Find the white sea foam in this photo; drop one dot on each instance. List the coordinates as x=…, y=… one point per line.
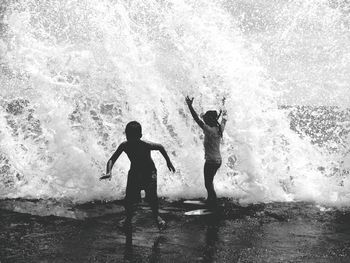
x=75, y=72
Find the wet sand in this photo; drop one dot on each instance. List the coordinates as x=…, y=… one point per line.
x=50, y=231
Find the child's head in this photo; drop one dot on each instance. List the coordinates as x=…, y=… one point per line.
x=133, y=131
x=210, y=118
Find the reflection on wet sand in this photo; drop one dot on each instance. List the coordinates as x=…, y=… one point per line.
x=154, y=255
x=211, y=238
x=128, y=245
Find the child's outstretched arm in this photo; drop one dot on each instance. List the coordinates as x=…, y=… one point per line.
x=159, y=147
x=223, y=120
x=223, y=113
x=113, y=159
x=194, y=114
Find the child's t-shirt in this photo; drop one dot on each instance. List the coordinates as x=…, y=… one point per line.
x=212, y=140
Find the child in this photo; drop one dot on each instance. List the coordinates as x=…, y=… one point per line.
x=142, y=174
x=212, y=138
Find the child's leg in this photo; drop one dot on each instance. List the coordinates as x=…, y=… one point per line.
x=151, y=195
x=210, y=169
x=152, y=199
x=129, y=209
x=132, y=196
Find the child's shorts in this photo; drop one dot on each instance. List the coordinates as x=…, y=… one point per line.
x=138, y=181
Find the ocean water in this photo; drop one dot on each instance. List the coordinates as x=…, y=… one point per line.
x=73, y=73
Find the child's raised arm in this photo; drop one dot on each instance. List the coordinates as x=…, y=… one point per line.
x=223, y=120
x=159, y=147
x=193, y=112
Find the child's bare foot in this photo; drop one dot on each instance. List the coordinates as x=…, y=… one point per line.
x=161, y=223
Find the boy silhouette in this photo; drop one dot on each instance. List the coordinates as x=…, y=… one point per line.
x=142, y=174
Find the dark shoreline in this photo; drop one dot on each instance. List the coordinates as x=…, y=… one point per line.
x=275, y=232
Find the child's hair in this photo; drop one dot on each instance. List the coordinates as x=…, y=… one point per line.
x=212, y=115
x=133, y=130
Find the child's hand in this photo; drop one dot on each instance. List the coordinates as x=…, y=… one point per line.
x=171, y=167
x=189, y=101
x=107, y=176
x=223, y=101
